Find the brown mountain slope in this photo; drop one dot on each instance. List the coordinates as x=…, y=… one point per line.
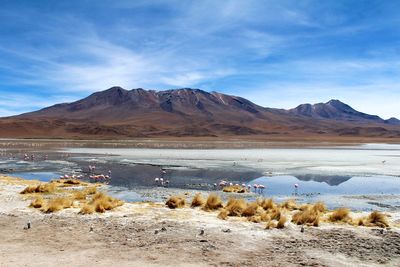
x=120, y=113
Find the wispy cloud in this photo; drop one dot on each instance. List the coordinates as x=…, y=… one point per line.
x=278, y=53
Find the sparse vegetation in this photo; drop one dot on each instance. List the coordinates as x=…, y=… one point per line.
x=57, y=204
x=308, y=216
x=103, y=202
x=80, y=195
x=290, y=205
x=281, y=222
x=251, y=209
x=235, y=207
x=223, y=214
x=175, y=202
x=197, y=201
x=266, y=204
x=41, y=188
x=340, y=215
x=213, y=202
x=319, y=207
x=234, y=189
x=375, y=218
x=87, y=209
x=38, y=202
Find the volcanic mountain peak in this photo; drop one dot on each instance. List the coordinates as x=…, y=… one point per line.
x=118, y=112
x=334, y=109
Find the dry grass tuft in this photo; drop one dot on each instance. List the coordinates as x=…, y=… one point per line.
x=91, y=190
x=38, y=202
x=340, y=215
x=307, y=217
x=57, y=204
x=255, y=219
x=251, y=209
x=197, y=201
x=175, y=202
x=234, y=189
x=275, y=213
x=71, y=181
x=103, y=202
x=281, y=222
x=223, y=214
x=235, y=207
x=41, y=188
x=376, y=218
x=319, y=207
x=266, y=204
x=290, y=204
x=87, y=209
x=213, y=202
x=79, y=195
x=271, y=224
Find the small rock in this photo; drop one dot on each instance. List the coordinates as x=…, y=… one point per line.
x=156, y=232
x=226, y=230
x=91, y=229
x=202, y=232
x=163, y=229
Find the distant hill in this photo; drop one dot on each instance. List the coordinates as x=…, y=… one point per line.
x=337, y=110
x=120, y=113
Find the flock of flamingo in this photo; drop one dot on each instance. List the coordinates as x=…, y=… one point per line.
x=158, y=181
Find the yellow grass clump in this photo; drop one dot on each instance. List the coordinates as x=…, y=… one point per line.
x=41, y=188
x=308, y=216
x=290, y=204
x=175, y=202
x=319, y=207
x=197, y=201
x=251, y=209
x=38, y=202
x=213, y=202
x=340, y=215
x=79, y=195
x=103, y=202
x=234, y=189
x=376, y=218
x=271, y=224
x=281, y=222
x=235, y=207
x=87, y=209
x=266, y=204
x=223, y=214
x=275, y=213
x=71, y=181
x=91, y=190
x=57, y=204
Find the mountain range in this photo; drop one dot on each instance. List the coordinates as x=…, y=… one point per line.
x=118, y=113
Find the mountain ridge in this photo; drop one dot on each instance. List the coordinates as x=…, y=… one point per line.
x=118, y=112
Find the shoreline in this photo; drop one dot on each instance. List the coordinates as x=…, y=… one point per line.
x=150, y=234
x=198, y=143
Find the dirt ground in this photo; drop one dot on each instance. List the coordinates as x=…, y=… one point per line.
x=149, y=234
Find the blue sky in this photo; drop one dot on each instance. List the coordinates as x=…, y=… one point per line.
x=275, y=53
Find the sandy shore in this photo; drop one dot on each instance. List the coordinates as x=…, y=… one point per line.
x=149, y=234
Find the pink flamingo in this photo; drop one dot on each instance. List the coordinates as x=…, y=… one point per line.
x=296, y=188
x=255, y=188
x=261, y=187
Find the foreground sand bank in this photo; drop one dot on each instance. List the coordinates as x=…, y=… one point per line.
x=152, y=235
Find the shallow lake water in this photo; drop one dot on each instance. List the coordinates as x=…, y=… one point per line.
x=322, y=173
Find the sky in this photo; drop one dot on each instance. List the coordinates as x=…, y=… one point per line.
x=275, y=53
